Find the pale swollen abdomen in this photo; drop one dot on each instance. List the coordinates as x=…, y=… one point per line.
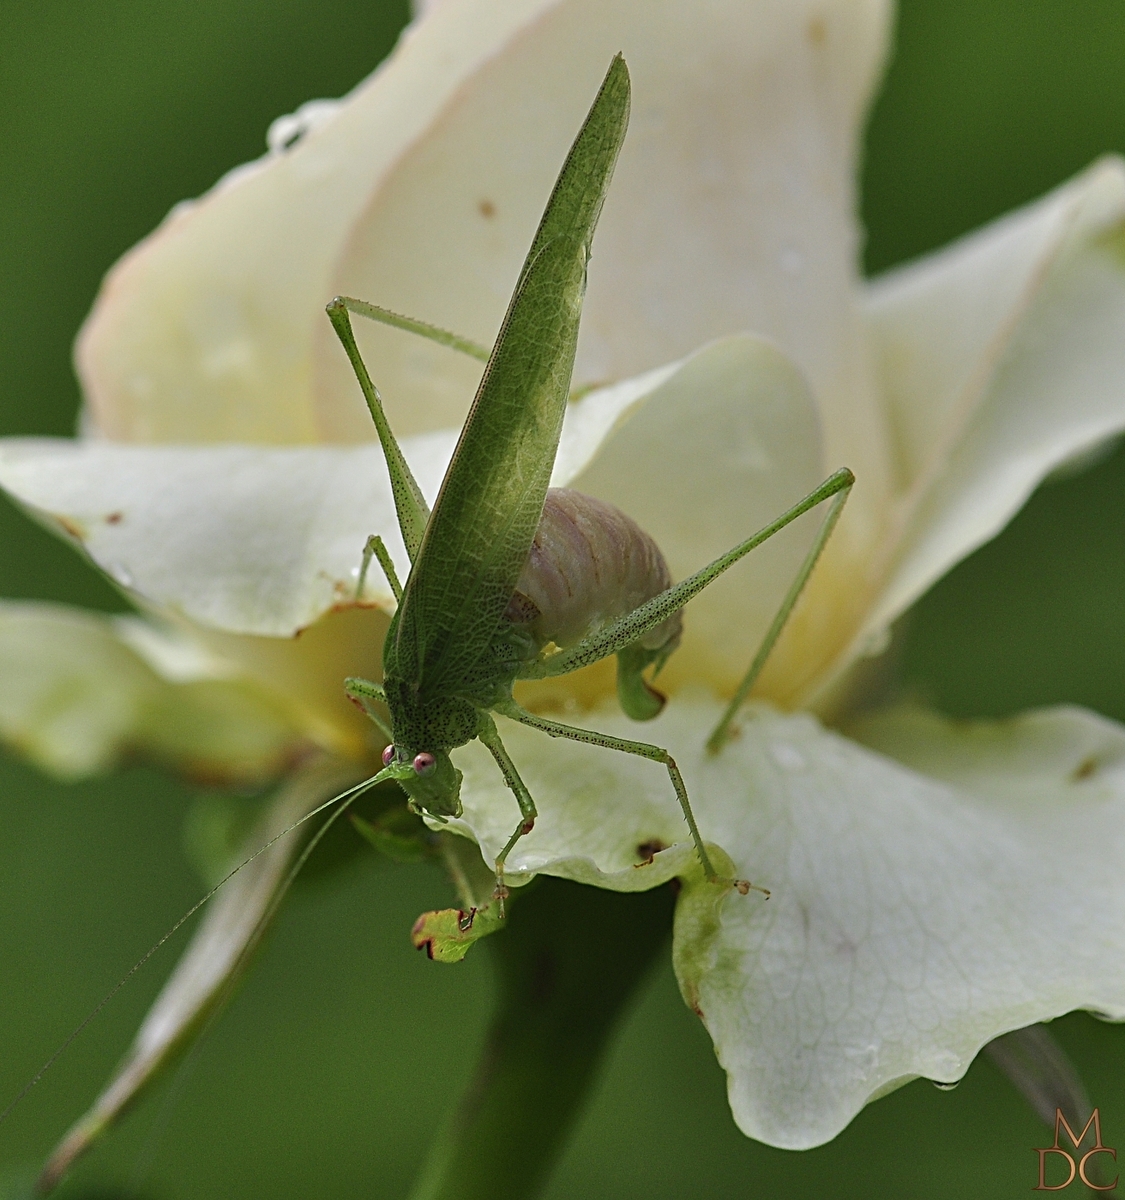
x=589, y=564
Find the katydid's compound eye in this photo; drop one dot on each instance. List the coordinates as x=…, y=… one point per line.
x=388, y=756
x=424, y=764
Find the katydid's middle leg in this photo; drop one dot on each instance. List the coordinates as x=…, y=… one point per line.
x=490, y=736
x=642, y=750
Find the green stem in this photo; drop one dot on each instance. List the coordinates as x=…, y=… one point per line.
x=566, y=967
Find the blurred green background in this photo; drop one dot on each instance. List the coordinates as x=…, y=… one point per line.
x=344, y=1046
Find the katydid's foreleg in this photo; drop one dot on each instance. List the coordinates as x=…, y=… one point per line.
x=719, y=735
x=491, y=737
x=376, y=547
x=643, y=749
x=410, y=505
x=365, y=694
x=443, y=337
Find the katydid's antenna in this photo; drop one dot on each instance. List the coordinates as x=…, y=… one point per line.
x=349, y=796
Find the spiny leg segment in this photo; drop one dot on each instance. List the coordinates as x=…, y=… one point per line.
x=490, y=736
x=375, y=547
x=410, y=505
x=842, y=491
x=433, y=333
x=364, y=692
x=643, y=749
x=633, y=625
x=627, y=629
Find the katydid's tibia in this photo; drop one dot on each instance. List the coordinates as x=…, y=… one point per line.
x=509, y=579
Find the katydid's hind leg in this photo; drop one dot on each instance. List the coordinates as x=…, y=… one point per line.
x=643, y=750
x=375, y=547
x=364, y=695
x=623, y=632
x=722, y=729
x=490, y=736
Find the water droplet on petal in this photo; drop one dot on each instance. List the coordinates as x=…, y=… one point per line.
x=284, y=133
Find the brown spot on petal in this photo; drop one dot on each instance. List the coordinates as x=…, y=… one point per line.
x=487, y=209
x=647, y=851
x=1084, y=770
x=691, y=996
x=72, y=527
x=114, y=518
x=817, y=31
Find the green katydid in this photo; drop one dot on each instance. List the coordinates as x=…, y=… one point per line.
x=481, y=607
x=510, y=579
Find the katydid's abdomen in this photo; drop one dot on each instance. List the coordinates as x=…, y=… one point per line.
x=589, y=565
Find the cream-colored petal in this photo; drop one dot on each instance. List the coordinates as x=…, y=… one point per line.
x=76, y=698
x=204, y=332
x=306, y=673
x=726, y=443
x=1004, y=356
x=732, y=208
x=247, y=546
x=245, y=539
x=253, y=552
x=912, y=918
x=303, y=675
x=264, y=541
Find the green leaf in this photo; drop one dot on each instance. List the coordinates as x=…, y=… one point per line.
x=489, y=506
x=220, y=949
x=447, y=934
x=398, y=835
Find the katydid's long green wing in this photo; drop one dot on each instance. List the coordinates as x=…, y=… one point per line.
x=580, y=190
x=480, y=532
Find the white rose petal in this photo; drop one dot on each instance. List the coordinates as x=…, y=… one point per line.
x=912, y=918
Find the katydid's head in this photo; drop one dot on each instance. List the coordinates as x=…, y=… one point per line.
x=429, y=778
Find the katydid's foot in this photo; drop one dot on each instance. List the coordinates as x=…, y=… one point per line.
x=500, y=894
x=744, y=887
